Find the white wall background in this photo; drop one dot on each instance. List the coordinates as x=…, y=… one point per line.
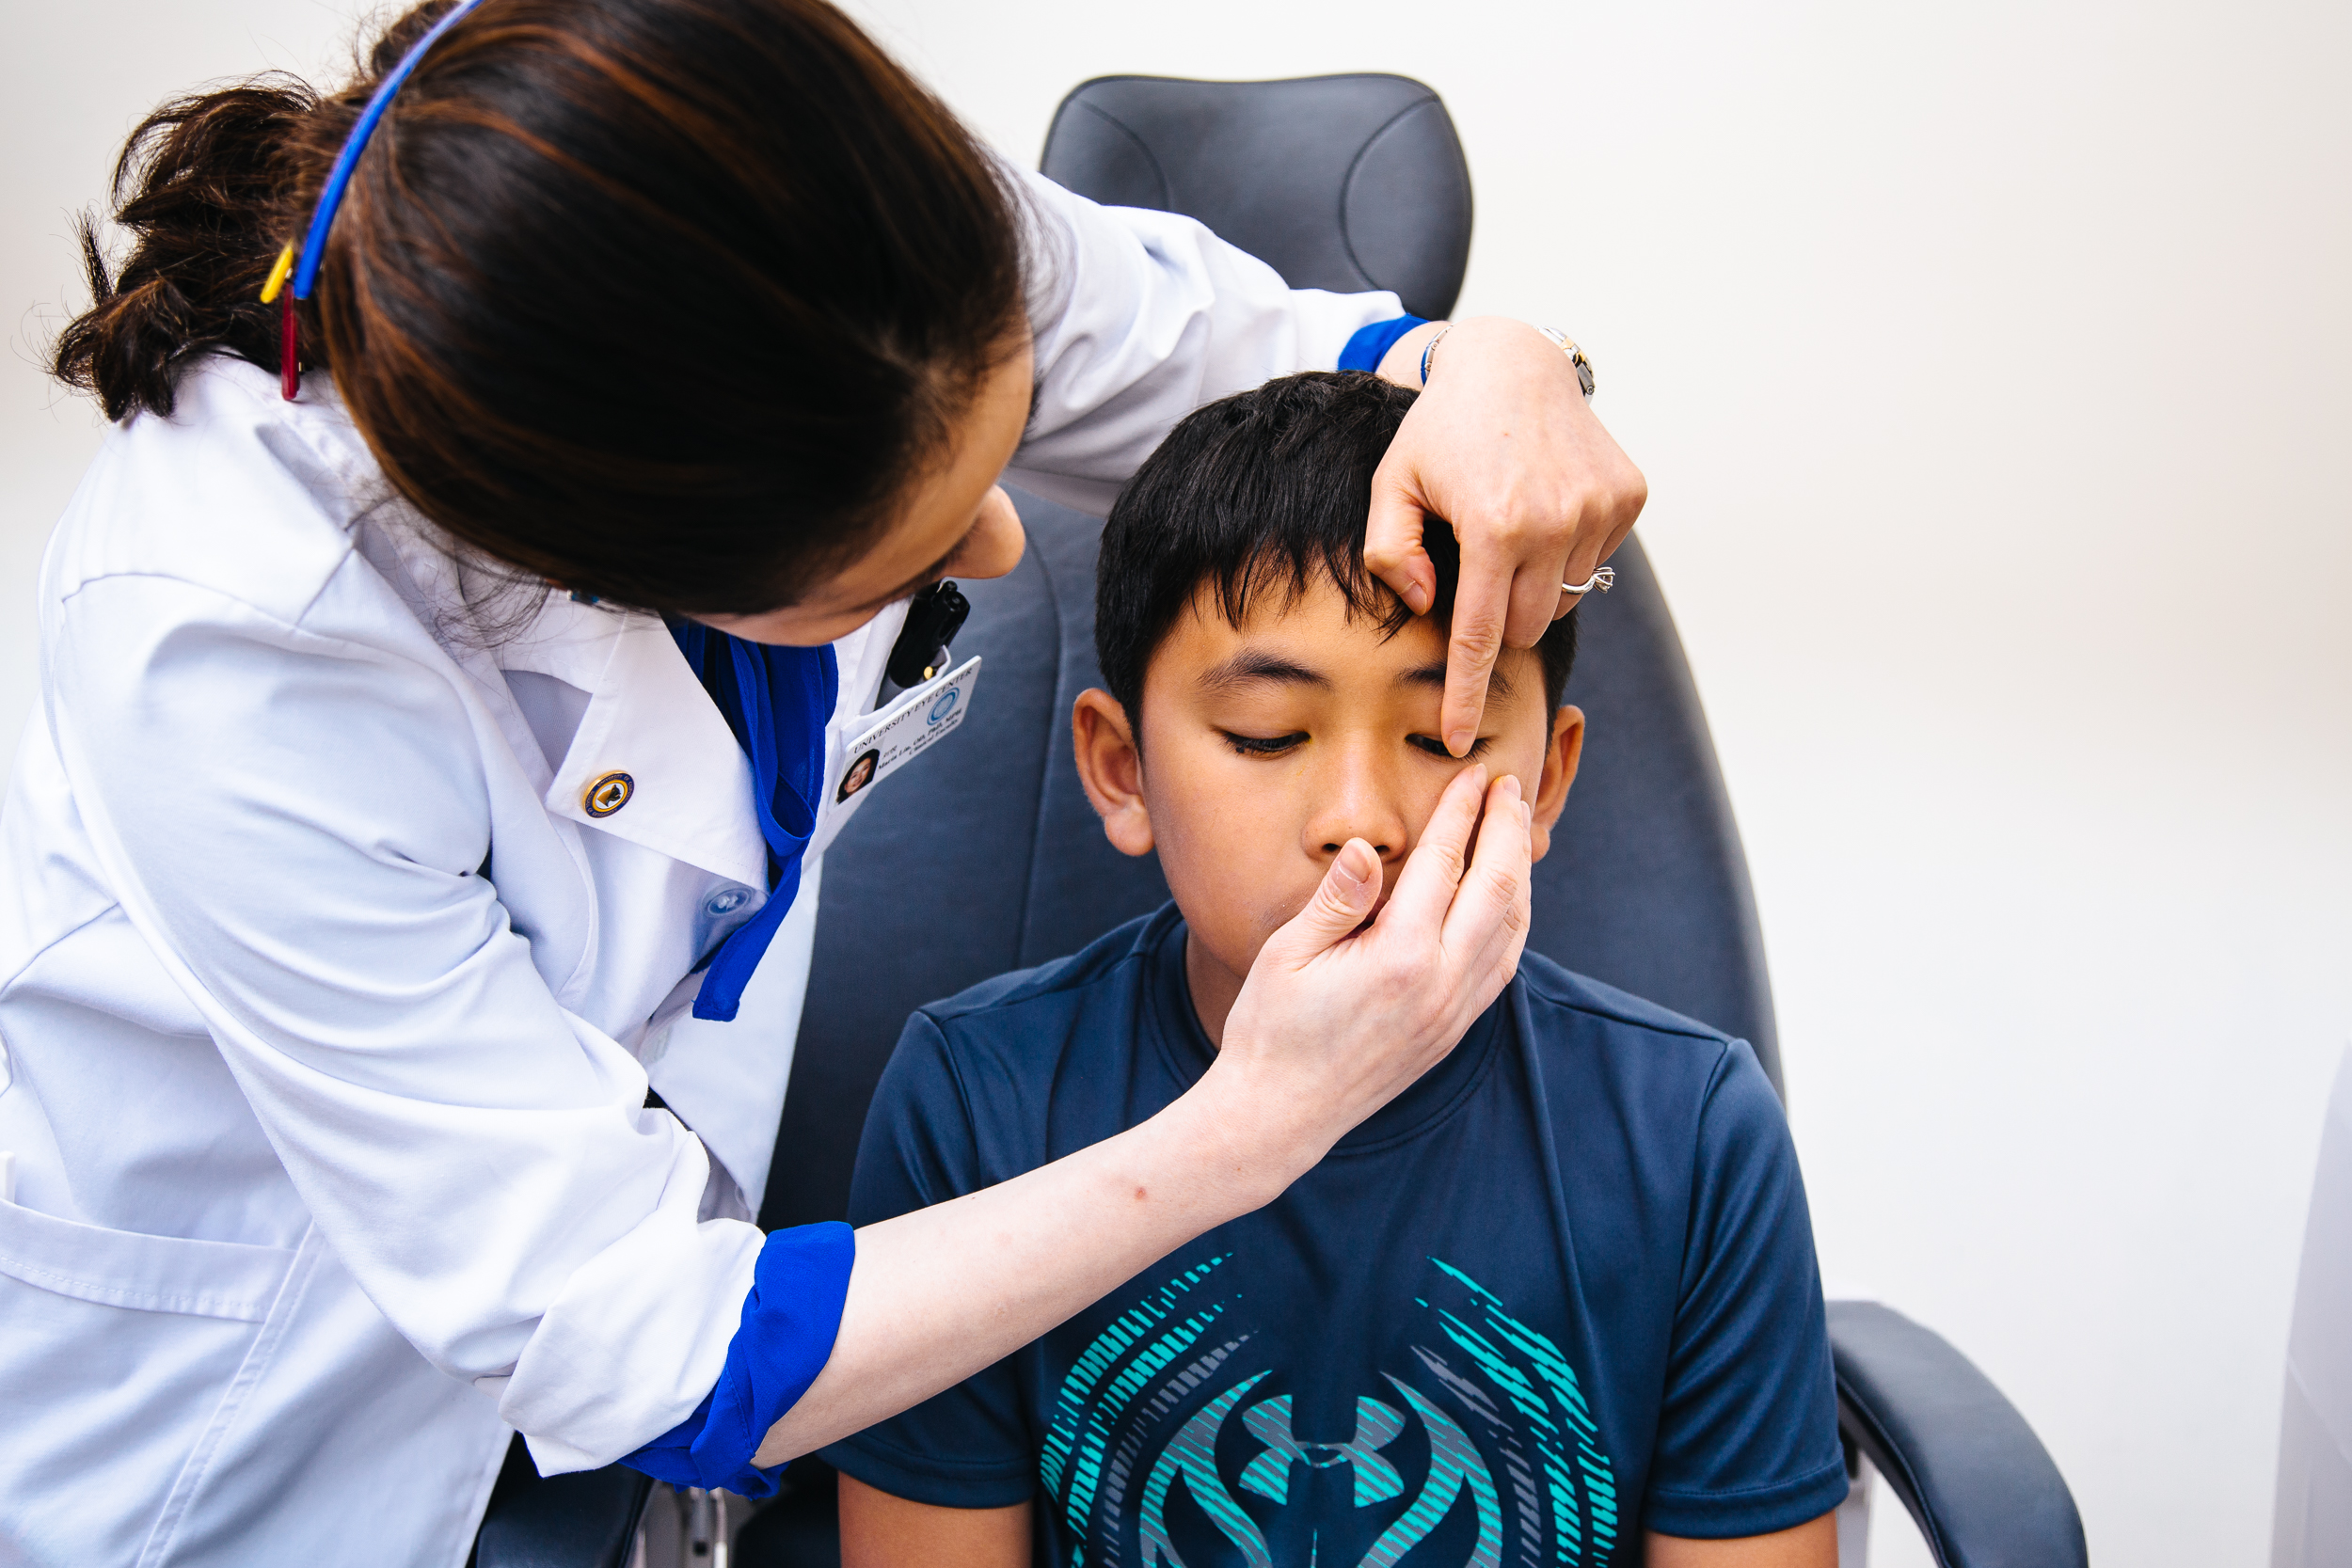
x=1992, y=365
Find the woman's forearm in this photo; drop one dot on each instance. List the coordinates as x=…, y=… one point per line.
x=941, y=1292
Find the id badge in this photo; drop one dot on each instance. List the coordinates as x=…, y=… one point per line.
x=912, y=723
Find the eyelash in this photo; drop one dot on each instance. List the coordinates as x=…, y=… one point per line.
x=1267, y=746
x=1275, y=746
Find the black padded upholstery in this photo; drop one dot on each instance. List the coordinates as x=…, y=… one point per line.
x=1000, y=863
x=1646, y=886
x=1341, y=183
x=1975, y=1479
x=587, y=1520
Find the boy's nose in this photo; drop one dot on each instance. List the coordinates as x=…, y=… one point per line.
x=1355, y=803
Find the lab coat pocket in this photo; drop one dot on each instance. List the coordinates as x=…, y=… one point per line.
x=136, y=1350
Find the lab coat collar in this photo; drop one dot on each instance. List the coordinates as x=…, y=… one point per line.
x=647, y=716
x=689, y=785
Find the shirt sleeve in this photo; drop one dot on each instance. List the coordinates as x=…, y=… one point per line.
x=1747, y=1437
x=294, y=821
x=791, y=1321
x=1139, y=318
x=968, y=1446
x=1371, y=344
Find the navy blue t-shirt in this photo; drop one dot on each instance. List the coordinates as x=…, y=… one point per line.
x=1560, y=1290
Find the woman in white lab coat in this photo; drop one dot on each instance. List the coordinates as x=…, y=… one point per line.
x=442, y=667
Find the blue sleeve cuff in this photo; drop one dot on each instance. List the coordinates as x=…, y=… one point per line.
x=1749, y=1511
x=782, y=1343
x=1371, y=344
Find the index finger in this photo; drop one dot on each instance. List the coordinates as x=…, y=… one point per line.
x=1485, y=928
x=1481, y=608
x=1425, y=888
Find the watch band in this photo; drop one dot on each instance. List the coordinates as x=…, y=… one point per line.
x=1576, y=356
x=1560, y=340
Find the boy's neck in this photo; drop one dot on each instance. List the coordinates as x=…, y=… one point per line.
x=1213, y=989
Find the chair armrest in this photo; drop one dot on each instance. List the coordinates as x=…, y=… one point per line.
x=585, y=1520
x=1977, y=1481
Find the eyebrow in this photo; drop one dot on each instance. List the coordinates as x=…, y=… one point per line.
x=1250, y=666
x=1432, y=673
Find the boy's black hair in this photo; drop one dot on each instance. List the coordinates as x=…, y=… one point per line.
x=1261, y=492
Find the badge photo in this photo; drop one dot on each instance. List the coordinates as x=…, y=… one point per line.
x=860, y=775
x=901, y=730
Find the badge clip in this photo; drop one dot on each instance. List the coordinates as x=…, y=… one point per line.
x=934, y=616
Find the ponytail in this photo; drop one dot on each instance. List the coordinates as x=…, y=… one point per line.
x=665, y=300
x=203, y=184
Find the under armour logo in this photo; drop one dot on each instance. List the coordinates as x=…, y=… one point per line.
x=1190, y=1457
x=1377, y=1427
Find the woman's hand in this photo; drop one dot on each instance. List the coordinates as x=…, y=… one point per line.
x=1332, y=1022
x=1503, y=445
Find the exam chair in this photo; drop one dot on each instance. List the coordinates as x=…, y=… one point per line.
x=1342, y=183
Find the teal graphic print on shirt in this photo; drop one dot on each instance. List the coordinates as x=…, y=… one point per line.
x=1172, y=1440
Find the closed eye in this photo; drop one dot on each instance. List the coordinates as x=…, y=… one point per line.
x=1264, y=746
x=1435, y=746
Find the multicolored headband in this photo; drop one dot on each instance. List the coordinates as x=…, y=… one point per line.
x=313, y=247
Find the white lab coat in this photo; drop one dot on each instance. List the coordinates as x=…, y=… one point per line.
x=331, y=1164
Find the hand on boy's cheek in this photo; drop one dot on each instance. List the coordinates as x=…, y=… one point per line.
x=1267, y=747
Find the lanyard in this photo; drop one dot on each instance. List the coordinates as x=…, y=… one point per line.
x=777, y=700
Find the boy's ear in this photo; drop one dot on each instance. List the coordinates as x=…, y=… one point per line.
x=1551, y=791
x=1111, y=770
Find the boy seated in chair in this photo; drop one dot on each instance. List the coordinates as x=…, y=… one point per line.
x=1555, y=1304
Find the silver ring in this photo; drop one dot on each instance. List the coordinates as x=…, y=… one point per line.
x=1603, y=578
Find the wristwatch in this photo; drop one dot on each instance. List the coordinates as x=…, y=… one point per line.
x=1576, y=356
x=1560, y=340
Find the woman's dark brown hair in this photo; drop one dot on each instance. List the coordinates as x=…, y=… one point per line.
x=666, y=300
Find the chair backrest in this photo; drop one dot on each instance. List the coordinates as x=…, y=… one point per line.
x=1342, y=183
x=1001, y=863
